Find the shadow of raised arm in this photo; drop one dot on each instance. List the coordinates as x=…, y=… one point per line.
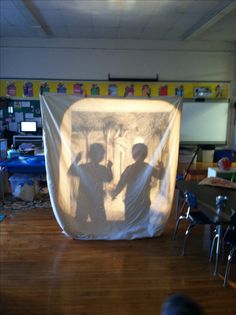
x=73, y=168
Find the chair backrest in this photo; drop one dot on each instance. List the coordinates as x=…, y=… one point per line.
x=219, y=154
x=221, y=202
x=190, y=199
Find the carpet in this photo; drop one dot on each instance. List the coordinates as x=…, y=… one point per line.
x=42, y=200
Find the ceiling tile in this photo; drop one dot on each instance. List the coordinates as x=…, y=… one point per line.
x=82, y=32
x=130, y=33
x=133, y=19
x=104, y=32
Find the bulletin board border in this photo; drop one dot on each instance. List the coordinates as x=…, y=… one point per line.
x=32, y=88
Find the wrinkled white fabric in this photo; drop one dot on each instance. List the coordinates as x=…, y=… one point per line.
x=111, y=164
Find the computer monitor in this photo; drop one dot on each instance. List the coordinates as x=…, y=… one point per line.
x=28, y=126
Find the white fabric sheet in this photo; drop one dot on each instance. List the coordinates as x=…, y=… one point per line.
x=111, y=164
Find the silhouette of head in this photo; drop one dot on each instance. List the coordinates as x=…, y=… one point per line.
x=139, y=152
x=96, y=152
x=178, y=304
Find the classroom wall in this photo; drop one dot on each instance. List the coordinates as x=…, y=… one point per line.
x=94, y=59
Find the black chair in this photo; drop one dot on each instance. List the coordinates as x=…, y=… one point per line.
x=193, y=217
x=221, y=202
x=230, y=239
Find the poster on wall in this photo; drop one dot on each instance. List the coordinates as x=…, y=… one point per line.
x=44, y=87
x=219, y=91
x=163, y=90
x=179, y=90
x=202, y=91
x=95, y=90
x=112, y=90
x=129, y=90
x=61, y=88
x=28, y=89
x=146, y=90
x=11, y=88
x=78, y=89
x=32, y=88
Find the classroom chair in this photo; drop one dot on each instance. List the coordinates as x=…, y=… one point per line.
x=230, y=239
x=192, y=216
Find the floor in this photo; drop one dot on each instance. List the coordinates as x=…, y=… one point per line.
x=45, y=272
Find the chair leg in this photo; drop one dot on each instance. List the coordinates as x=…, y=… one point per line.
x=186, y=237
x=230, y=256
x=177, y=204
x=218, y=248
x=223, y=245
x=182, y=217
x=222, y=252
x=212, y=246
x=178, y=199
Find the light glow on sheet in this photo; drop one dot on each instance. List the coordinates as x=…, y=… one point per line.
x=111, y=164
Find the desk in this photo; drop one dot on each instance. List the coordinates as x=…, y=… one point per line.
x=34, y=164
x=198, y=170
x=206, y=197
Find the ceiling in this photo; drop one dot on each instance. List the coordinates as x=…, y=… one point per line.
x=208, y=20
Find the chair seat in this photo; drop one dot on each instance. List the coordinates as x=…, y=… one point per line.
x=198, y=217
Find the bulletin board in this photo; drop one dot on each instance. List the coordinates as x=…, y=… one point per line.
x=20, y=110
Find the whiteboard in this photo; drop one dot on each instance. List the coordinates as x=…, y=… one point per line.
x=204, y=122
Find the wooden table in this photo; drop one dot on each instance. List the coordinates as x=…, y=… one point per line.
x=198, y=170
